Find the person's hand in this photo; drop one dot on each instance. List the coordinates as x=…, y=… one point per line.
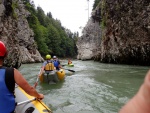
x=39, y=75
x=140, y=103
x=40, y=97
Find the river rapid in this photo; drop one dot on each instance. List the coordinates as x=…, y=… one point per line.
x=93, y=88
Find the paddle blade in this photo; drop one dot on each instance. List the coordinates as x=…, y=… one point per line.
x=70, y=70
x=41, y=78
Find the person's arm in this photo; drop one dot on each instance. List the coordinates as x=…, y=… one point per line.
x=140, y=103
x=42, y=68
x=41, y=71
x=59, y=64
x=20, y=80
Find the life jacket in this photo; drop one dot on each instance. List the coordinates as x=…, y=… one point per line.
x=56, y=63
x=7, y=86
x=49, y=66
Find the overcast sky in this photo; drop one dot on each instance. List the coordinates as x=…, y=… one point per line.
x=73, y=14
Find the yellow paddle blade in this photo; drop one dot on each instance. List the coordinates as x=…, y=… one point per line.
x=41, y=77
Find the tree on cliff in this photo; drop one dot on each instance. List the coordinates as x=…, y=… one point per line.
x=50, y=36
x=96, y=2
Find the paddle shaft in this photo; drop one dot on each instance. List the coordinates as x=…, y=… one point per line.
x=37, y=79
x=69, y=70
x=63, y=65
x=20, y=103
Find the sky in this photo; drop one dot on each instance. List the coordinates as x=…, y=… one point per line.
x=73, y=14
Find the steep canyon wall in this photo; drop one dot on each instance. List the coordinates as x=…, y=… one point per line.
x=16, y=34
x=124, y=32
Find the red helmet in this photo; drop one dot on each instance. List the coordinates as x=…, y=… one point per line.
x=3, y=50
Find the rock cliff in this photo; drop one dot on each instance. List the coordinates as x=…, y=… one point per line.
x=89, y=43
x=124, y=32
x=16, y=34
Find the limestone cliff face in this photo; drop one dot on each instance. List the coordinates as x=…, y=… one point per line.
x=125, y=31
x=16, y=34
x=89, y=43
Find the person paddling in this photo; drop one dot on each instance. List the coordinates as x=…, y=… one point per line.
x=69, y=61
x=56, y=63
x=8, y=78
x=48, y=64
x=48, y=70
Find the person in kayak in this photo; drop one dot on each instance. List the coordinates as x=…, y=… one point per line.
x=69, y=61
x=140, y=103
x=56, y=63
x=8, y=78
x=48, y=64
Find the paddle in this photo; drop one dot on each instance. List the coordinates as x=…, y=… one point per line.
x=20, y=103
x=64, y=65
x=37, y=79
x=69, y=70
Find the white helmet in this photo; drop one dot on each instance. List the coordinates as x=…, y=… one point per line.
x=54, y=57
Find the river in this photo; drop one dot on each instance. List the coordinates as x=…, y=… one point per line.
x=93, y=88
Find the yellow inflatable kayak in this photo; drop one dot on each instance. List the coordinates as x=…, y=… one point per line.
x=28, y=104
x=61, y=74
x=53, y=76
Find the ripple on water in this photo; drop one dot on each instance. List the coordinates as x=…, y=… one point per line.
x=93, y=88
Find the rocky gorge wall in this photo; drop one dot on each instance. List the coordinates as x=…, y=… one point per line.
x=125, y=32
x=89, y=43
x=16, y=34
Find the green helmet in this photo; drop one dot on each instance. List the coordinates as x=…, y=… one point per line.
x=48, y=56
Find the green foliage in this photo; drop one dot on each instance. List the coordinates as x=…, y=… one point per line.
x=102, y=24
x=41, y=16
x=49, y=15
x=29, y=6
x=96, y=2
x=50, y=36
x=101, y=4
x=54, y=39
x=40, y=38
x=104, y=14
x=14, y=5
x=33, y=21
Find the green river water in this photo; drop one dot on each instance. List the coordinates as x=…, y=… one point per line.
x=94, y=87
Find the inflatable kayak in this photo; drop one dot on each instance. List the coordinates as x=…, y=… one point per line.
x=61, y=74
x=70, y=65
x=53, y=76
x=28, y=104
